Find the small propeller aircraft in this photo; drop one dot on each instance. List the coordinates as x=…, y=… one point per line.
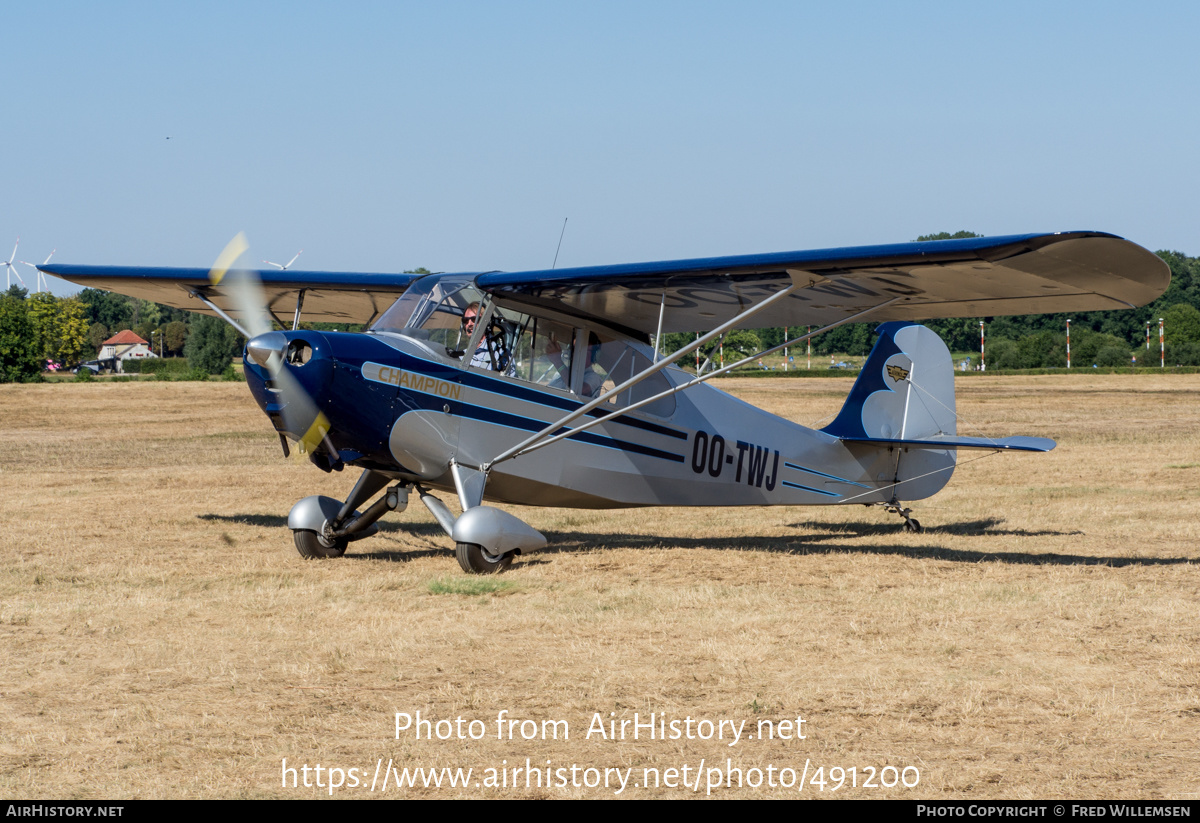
x=546, y=388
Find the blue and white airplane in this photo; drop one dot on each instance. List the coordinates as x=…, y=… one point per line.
x=545, y=388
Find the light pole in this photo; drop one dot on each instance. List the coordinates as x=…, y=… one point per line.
x=1162, y=346
x=982, y=358
x=1068, y=343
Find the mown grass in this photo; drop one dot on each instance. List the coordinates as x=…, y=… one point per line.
x=162, y=638
x=470, y=586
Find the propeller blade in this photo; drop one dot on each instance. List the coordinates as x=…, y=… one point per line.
x=243, y=288
x=268, y=348
x=300, y=413
x=249, y=302
x=234, y=249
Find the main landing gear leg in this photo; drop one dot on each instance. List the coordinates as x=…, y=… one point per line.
x=323, y=526
x=911, y=524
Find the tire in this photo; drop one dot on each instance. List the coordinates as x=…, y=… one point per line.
x=913, y=526
x=475, y=559
x=311, y=547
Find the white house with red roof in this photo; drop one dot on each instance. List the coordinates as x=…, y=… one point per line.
x=125, y=345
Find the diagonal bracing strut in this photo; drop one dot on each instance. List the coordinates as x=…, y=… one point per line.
x=533, y=443
x=546, y=436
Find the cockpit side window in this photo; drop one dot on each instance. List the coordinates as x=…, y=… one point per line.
x=453, y=317
x=608, y=362
x=531, y=348
x=544, y=352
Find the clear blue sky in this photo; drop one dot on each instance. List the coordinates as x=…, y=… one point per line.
x=458, y=135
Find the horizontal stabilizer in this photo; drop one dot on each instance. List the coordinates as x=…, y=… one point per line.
x=1017, y=443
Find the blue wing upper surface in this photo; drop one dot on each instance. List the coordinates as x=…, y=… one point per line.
x=974, y=277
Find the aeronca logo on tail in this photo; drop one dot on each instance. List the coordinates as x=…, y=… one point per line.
x=413, y=382
x=897, y=373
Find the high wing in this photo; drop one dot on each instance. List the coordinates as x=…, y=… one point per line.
x=975, y=277
x=329, y=297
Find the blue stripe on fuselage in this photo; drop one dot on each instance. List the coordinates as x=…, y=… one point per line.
x=823, y=474
x=482, y=380
x=485, y=381
x=430, y=402
x=809, y=489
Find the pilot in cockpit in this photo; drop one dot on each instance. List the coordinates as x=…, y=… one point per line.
x=492, y=352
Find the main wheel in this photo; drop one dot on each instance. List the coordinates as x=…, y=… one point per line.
x=475, y=559
x=913, y=526
x=311, y=546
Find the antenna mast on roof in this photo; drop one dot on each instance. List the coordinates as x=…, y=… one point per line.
x=560, y=237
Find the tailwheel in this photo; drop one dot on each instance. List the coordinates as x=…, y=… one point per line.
x=911, y=524
x=313, y=546
x=475, y=559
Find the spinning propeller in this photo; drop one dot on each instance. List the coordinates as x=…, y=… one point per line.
x=269, y=349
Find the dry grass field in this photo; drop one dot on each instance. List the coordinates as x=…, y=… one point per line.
x=162, y=638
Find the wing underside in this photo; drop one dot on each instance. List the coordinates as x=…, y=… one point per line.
x=329, y=297
x=977, y=277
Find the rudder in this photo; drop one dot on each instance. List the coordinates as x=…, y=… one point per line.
x=905, y=390
x=904, y=395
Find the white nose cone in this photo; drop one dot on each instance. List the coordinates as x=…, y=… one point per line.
x=261, y=348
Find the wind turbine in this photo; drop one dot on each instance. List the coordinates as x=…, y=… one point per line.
x=41, y=278
x=10, y=269
x=287, y=265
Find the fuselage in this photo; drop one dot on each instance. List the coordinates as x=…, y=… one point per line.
x=400, y=405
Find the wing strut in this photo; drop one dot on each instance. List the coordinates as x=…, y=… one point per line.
x=637, y=378
x=299, y=306
x=199, y=295
x=696, y=380
x=662, y=307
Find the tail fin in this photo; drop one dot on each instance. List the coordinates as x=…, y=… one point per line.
x=903, y=402
x=905, y=390
x=905, y=396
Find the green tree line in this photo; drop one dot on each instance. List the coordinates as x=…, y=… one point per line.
x=38, y=328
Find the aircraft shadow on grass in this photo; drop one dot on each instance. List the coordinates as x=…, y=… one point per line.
x=810, y=539
x=430, y=535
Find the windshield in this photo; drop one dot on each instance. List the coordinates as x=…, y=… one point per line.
x=432, y=309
